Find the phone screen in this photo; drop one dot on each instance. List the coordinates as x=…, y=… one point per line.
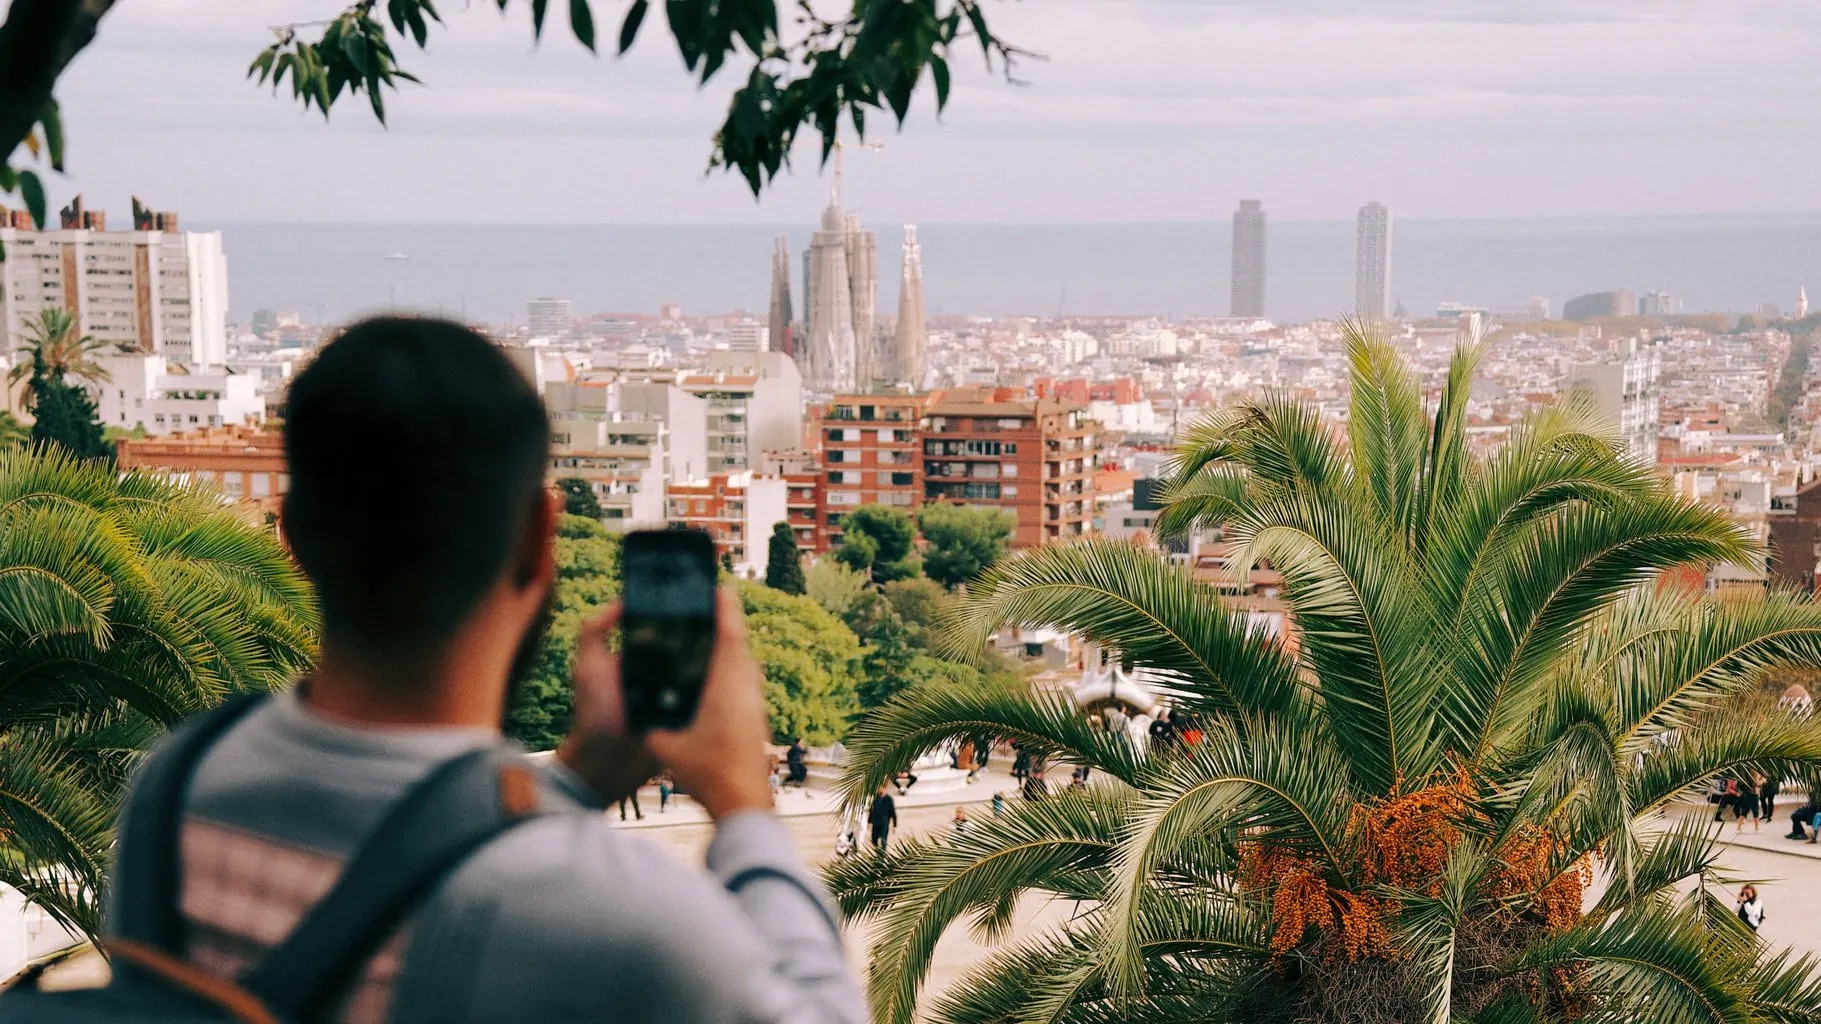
x=667, y=625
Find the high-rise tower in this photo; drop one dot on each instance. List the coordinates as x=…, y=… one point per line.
x=1372, y=263
x=1801, y=302
x=1249, y=259
x=781, y=338
x=910, y=342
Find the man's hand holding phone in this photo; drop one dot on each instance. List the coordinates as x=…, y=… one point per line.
x=718, y=758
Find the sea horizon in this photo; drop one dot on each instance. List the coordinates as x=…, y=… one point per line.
x=1174, y=269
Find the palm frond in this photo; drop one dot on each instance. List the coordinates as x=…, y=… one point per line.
x=1656, y=963
x=1133, y=602
x=1387, y=425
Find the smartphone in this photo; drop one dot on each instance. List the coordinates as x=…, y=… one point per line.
x=667, y=625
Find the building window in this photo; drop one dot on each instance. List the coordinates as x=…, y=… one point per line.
x=902, y=479
x=895, y=498
x=1008, y=491
x=844, y=498
x=1010, y=423
x=1011, y=448
x=1008, y=469
x=836, y=455
x=885, y=433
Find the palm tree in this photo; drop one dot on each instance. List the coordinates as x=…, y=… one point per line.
x=126, y=603
x=58, y=352
x=1441, y=802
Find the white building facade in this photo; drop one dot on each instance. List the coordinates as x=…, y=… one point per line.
x=144, y=389
x=1625, y=389
x=155, y=291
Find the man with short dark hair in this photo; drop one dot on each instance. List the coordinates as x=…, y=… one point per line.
x=417, y=506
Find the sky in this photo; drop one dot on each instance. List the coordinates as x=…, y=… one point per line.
x=1143, y=111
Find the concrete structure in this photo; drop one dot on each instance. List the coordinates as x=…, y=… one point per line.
x=145, y=389
x=1596, y=305
x=755, y=405
x=863, y=298
x=1801, y=302
x=746, y=335
x=152, y=289
x=1372, y=263
x=1625, y=388
x=548, y=318
x=782, y=324
x=629, y=439
x=996, y=448
x=738, y=510
x=802, y=475
x=1249, y=259
x=247, y=463
x=908, y=357
x=1658, y=304
x=870, y=454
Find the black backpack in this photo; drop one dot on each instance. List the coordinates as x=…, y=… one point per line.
x=459, y=807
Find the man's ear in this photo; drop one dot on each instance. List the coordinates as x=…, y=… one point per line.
x=536, y=559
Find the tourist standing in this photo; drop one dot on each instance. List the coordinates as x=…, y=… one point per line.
x=667, y=788
x=1162, y=731
x=1767, y=797
x=1727, y=798
x=1751, y=908
x=881, y=818
x=1746, y=805
x=960, y=821
x=794, y=760
x=634, y=797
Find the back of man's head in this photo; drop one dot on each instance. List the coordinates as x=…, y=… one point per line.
x=417, y=454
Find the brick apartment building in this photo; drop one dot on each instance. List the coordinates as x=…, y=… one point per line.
x=802, y=476
x=869, y=455
x=1034, y=457
x=738, y=510
x=1795, y=538
x=247, y=463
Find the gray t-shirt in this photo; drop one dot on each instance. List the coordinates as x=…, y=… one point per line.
x=563, y=918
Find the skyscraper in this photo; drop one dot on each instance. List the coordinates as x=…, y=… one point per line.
x=782, y=340
x=1801, y=302
x=910, y=342
x=1249, y=259
x=1372, y=263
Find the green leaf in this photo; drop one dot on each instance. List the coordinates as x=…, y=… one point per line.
x=581, y=22
x=52, y=119
x=355, y=46
x=32, y=190
x=629, y=29
x=539, y=8
x=938, y=69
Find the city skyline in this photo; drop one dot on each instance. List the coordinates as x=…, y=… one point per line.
x=1151, y=111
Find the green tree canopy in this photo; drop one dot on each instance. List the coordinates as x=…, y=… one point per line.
x=784, y=560
x=13, y=434
x=810, y=661
x=126, y=603
x=834, y=586
x=922, y=604
x=587, y=581
x=66, y=416
x=1399, y=816
x=818, y=74
x=579, y=498
x=961, y=541
x=879, y=542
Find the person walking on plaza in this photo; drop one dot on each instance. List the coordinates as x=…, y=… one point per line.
x=1728, y=797
x=386, y=758
x=796, y=764
x=634, y=797
x=1746, y=805
x=881, y=818
x=1751, y=908
x=1768, y=788
x=1804, y=816
x=666, y=789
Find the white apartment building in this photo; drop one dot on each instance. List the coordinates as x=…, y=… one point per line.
x=147, y=390
x=747, y=335
x=549, y=318
x=153, y=289
x=630, y=440
x=755, y=405
x=1625, y=388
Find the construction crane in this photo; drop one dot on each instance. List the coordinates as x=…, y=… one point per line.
x=839, y=146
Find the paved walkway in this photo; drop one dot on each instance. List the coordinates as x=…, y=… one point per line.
x=821, y=798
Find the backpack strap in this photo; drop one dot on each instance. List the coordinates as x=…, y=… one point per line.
x=461, y=806
x=146, y=877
